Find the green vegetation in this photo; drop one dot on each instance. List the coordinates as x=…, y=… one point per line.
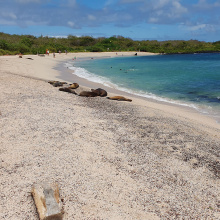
x=28, y=44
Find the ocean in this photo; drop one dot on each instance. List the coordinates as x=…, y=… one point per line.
x=191, y=80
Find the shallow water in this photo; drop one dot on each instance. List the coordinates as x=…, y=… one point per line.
x=186, y=79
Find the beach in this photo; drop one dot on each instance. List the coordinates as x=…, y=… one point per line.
x=112, y=160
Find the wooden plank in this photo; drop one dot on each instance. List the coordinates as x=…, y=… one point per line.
x=47, y=202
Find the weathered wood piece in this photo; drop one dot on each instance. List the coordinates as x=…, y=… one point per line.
x=47, y=201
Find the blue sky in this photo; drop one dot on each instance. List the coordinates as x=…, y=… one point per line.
x=136, y=19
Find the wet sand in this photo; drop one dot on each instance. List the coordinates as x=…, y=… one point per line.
x=111, y=160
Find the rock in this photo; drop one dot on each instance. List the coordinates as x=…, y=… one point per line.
x=47, y=202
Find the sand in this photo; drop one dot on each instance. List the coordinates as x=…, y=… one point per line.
x=112, y=160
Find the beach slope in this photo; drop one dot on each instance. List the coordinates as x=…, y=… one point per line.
x=111, y=160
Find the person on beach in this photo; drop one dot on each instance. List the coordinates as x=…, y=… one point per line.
x=53, y=55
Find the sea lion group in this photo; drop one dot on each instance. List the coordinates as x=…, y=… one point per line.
x=70, y=88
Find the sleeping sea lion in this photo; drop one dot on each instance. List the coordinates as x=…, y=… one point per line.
x=88, y=94
x=74, y=86
x=119, y=98
x=67, y=90
x=57, y=83
x=99, y=92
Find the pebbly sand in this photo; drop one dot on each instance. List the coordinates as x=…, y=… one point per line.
x=111, y=160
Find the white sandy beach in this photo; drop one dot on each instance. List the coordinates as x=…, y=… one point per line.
x=112, y=160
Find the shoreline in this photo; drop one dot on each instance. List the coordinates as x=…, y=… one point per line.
x=191, y=113
x=111, y=160
x=53, y=69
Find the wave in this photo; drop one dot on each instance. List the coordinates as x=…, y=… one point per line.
x=83, y=73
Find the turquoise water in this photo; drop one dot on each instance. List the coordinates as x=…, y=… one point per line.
x=185, y=79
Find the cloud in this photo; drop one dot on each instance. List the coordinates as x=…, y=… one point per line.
x=204, y=5
x=71, y=24
x=9, y=15
x=7, y=22
x=91, y=17
x=131, y=1
x=164, y=11
x=28, y=1
x=77, y=14
x=70, y=3
x=197, y=27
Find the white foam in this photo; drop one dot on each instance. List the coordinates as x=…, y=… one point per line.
x=157, y=98
x=83, y=73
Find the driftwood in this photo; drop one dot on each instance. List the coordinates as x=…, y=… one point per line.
x=47, y=202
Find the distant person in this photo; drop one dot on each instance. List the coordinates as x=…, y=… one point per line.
x=53, y=55
x=59, y=51
x=48, y=52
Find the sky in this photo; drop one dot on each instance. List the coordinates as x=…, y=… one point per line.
x=136, y=19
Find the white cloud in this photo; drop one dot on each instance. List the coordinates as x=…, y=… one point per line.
x=163, y=9
x=131, y=1
x=197, y=27
x=203, y=27
x=110, y=2
x=91, y=17
x=160, y=4
x=7, y=22
x=204, y=5
x=153, y=20
x=33, y=23
x=196, y=17
x=59, y=36
x=8, y=15
x=172, y=7
x=28, y=1
x=179, y=8
x=71, y=24
x=71, y=3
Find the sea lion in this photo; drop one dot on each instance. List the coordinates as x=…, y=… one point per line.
x=88, y=94
x=74, y=86
x=68, y=90
x=119, y=98
x=99, y=92
x=52, y=82
x=57, y=83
